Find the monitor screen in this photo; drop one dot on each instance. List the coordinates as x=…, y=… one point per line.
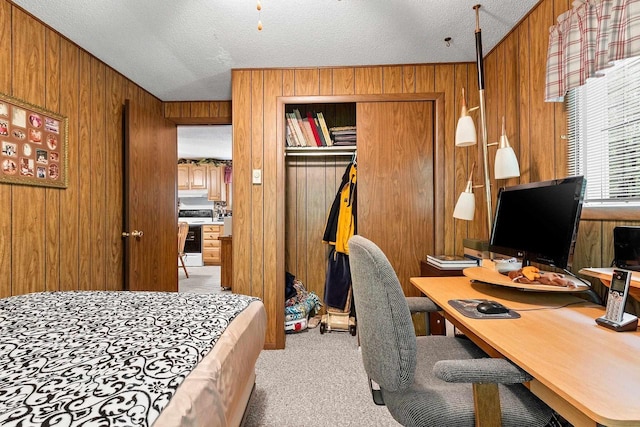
x=538, y=222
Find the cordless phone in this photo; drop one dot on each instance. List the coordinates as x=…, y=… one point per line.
x=618, y=292
x=615, y=317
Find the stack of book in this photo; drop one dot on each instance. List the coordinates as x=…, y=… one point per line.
x=343, y=135
x=451, y=262
x=308, y=131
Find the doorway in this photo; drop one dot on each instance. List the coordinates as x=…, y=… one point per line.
x=205, y=194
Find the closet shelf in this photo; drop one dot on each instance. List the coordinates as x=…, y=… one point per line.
x=342, y=150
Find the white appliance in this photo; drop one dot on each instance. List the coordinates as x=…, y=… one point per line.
x=226, y=231
x=193, y=246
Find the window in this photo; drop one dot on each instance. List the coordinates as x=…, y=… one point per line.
x=604, y=135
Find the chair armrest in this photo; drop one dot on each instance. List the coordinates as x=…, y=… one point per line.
x=421, y=304
x=486, y=370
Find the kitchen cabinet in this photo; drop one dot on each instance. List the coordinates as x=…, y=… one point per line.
x=192, y=177
x=211, y=244
x=216, y=189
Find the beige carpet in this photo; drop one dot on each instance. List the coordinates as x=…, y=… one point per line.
x=202, y=280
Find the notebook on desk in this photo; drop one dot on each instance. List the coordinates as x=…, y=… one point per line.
x=626, y=248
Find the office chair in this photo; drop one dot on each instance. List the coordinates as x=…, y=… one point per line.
x=183, y=230
x=431, y=380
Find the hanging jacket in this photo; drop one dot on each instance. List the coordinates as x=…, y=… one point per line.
x=342, y=219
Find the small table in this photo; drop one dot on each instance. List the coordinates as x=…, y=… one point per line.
x=587, y=373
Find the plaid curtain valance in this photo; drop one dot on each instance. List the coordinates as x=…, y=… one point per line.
x=587, y=39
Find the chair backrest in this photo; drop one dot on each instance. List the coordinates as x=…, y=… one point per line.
x=183, y=229
x=387, y=336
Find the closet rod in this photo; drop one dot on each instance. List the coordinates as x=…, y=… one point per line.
x=319, y=153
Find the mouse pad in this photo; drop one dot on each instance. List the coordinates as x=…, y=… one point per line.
x=467, y=307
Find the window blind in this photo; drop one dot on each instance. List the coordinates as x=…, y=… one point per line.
x=603, y=133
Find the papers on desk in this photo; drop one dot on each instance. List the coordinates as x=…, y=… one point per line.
x=451, y=262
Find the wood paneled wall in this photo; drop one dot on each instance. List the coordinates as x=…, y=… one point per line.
x=198, y=112
x=256, y=212
x=515, y=75
x=65, y=239
x=515, y=82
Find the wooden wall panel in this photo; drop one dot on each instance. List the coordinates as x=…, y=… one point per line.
x=97, y=177
x=52, y=233
x=115, y=87
x=515, y=86
x=343, y=81
x=64, y=239
x=307, y=82
x=84, y=158
x=368, y=80
x=396, y=160
x=5, y=190
x=542, y=125
x=272, y=212
x=28, y=205
x=257, y=196
x=445, y=83
x=392, y=79
x=536, y=129
x=198, y=112
x=70, y=198
x=242, y=209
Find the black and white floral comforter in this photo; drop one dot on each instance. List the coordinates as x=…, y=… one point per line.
x=103, y=358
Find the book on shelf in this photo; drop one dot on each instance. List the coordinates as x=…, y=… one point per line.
x=325, y=129
x=311, y=141
x=295, y=142
x=324, y=143
x=308, y=137
x=289, y=138
x=299, y=136
x=320, y=135
x=314, y=129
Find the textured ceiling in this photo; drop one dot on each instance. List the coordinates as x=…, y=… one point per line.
x=185, y=49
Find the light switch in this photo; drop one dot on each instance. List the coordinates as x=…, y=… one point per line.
x=257, y=176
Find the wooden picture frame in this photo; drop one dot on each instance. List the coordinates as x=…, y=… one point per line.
x=33, y=144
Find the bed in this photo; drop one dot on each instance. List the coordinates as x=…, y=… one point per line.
x=128, y=358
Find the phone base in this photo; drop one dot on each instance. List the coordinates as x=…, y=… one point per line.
x=629, y=323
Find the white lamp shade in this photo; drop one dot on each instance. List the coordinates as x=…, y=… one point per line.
x=466, y=206
x=466, y=132
x=506, y=165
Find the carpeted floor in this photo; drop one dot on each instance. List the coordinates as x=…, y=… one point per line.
x=201, y=280
x=318, y=379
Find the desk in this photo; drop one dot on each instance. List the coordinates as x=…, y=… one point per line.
x=604, y=274
x=585, y=372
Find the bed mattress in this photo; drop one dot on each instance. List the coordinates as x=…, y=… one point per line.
x=128, y=358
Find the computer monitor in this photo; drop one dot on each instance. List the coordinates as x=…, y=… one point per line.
x=538, y=222
x=626, y=247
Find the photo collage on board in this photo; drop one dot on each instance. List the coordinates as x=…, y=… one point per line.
x=30, y=143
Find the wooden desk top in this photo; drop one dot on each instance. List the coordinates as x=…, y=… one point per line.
x=594, y=370
x=604, y=274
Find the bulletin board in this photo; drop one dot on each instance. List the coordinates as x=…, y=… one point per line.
x=33, y=143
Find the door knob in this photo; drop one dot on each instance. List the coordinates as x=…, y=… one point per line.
x=134, y=233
